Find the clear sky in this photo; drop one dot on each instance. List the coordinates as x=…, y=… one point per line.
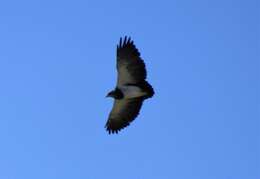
x=57, y=63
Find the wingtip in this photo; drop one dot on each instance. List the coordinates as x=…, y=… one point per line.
x=114, y=129
x=125, y=40
x=111, y=131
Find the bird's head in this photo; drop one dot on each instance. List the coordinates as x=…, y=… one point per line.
x=116, y=94
x=111, y=94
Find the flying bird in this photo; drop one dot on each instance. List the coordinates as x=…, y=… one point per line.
x=131, y=88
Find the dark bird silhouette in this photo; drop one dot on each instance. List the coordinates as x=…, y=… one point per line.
x=131, y=88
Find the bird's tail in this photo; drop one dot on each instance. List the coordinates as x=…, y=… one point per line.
x=148, y=88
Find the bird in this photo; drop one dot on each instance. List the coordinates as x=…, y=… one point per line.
x=131, y=88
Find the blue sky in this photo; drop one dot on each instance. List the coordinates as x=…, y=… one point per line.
x=57, y=62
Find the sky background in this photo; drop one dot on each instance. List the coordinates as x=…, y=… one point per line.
x=57, y=63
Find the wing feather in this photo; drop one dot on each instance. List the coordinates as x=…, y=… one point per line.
x=124, y=111
x=130, y=66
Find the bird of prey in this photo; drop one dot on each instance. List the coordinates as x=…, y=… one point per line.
x=131, y=88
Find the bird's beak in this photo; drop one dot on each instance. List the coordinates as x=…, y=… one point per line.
x=107, y=96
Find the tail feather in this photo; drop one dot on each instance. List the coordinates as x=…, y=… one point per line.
x=148, y=88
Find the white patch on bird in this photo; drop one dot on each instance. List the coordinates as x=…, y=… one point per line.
x=123, y=74
x=132, y=91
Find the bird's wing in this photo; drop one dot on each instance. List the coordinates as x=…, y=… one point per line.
x=130, y=66
x=123, y=112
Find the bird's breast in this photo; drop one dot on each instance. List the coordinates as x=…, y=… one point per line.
x=130, y=91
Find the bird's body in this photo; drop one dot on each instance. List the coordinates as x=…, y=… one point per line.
x=131, y=89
